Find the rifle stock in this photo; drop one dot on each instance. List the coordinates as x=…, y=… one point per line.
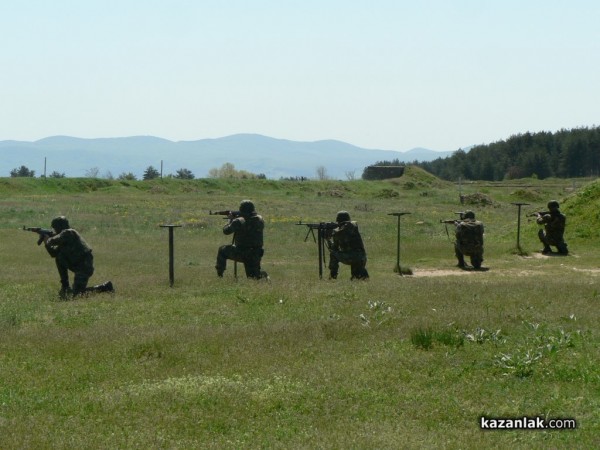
x=226, y=212
x=461, y=215
x=538, y=213
x=320, y=225
x=42, y=232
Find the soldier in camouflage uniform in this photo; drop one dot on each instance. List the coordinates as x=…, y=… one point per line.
x=469, y=240
x=71, y=252
x=554, y=228
x=346, y=246
x=247, y=246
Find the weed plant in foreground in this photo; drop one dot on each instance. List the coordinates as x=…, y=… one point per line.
x=399, y=361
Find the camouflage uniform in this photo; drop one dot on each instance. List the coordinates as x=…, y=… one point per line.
x=346, y=247
x=554, y=228
x=71, y=252
x=469, y=240
x=247, y=246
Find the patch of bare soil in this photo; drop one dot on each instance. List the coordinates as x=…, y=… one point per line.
x=586, y=270
x=443, y=272
x=506, y=272
x=539, y=255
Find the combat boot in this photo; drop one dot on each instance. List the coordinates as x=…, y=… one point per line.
x=105, y=287
x=65, y=290
x=264, y=276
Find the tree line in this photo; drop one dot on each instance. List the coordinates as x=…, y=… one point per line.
x=563, y=154
x=149, y=174
x=227, y=170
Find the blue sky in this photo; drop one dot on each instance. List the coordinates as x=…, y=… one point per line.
x=381, y=74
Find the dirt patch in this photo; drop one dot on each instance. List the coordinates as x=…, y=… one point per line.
x=441, y=272
x=539, y=255
x=586, y=270
x=419, y=273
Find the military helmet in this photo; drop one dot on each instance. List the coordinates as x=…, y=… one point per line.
x=469, y=215
x=342, y=216
x=553, y=204
x=60, y=223
x=246, y=208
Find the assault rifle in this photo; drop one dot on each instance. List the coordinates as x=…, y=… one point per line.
x=452, y=221
x=227, y=212
x=43, y=232
x=460, y=215
x=323, y=233
x=538, y=213
x=230, y=215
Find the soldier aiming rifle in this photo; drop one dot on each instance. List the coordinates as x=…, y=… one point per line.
x=247, y=228
x=71, y=253
x=469, y=239
x=347, y=247
x=552, y=234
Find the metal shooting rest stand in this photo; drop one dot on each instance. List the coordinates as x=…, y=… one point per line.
x=320, y=239
x=171, y=253
x=398, y=215
x=518, y=205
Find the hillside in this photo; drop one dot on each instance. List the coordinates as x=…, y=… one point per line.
x=413, y=178
x=564, y=154
x=583, y=211
x=275, y=158
x=580, y=198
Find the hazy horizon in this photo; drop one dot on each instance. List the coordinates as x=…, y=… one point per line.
x=392, y=75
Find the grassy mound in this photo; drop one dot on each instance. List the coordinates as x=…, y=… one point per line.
x=416, y=178
x=583, y=211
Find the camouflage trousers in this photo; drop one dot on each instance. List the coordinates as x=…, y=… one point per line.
x=475, y=253
x=549, y=239
x=356, y=260
x=250, y=257
x=82, y=269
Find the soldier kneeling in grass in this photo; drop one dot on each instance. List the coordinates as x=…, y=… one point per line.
x=346, y=246
x=554, y=228
x=71, y=252
x=247, y=227
x=469, y=240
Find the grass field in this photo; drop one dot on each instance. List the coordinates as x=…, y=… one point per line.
x=298, y=362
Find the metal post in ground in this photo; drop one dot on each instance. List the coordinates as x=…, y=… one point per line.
x=518, y=205
x=398, y=215
x=171, y=253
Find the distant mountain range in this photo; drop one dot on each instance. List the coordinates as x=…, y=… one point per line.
x=275, y=158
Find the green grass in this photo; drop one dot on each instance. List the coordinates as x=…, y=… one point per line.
x=394, y=362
